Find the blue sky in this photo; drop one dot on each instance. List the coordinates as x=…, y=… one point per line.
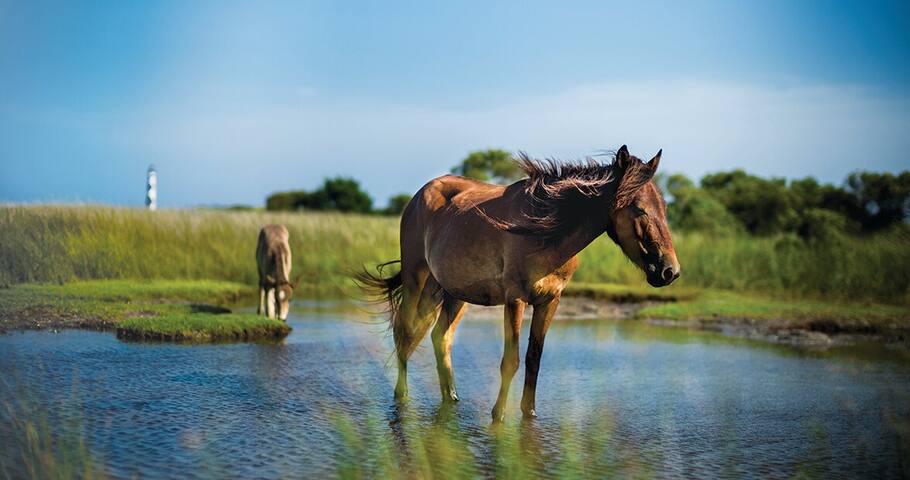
x=235, y=100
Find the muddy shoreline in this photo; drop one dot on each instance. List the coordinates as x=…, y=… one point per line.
x=49, y=319
x=810, y=334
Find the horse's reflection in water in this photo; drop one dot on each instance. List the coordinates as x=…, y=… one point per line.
x=419, y=442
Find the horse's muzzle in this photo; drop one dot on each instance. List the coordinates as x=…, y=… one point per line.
x=663, y=274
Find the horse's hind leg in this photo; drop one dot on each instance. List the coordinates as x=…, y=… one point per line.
x=443, y=333
x=420, y=302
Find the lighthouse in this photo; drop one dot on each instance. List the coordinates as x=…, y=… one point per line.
x=151, y=189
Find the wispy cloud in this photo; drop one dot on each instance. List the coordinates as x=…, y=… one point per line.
x=824, y=131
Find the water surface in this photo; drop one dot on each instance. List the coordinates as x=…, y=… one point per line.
x=613, y=398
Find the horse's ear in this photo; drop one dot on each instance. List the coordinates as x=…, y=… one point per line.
x=297, y=282
x=622, y=157
x=654, y=162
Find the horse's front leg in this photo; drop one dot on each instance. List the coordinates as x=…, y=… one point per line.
x=513, y=315
x=270, y=302
x=261, y=309
x=543, y=315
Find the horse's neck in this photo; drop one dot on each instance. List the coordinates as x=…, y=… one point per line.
x=576, y=241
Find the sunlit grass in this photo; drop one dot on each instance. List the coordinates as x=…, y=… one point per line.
x=723, y=305
x=201, y=327
x=152, y=310
x=63, y=243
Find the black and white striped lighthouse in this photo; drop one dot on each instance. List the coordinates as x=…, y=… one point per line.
x=151, y=189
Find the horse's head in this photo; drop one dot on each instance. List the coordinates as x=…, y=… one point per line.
x=639, y=219
x=283, y=294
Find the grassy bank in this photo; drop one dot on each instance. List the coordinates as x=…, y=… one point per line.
x=142, y=310
x=713, y=307
x=59, y=244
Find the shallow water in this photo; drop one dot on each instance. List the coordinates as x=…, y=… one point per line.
x=613, y=397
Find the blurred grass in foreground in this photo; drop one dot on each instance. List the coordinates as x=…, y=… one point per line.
x=43, y=451
x=63, y=243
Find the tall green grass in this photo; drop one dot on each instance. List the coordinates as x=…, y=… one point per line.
x=62, y=243
x=874, y=268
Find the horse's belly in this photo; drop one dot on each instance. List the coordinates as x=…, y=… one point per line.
x=483, y=293
x=465, y=260
x=472, y=283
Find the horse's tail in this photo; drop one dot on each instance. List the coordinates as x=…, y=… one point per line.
x=385, y=289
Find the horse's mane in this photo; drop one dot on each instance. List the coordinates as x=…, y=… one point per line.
x=562, y=193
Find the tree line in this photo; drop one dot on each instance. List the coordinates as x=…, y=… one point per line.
x=737, y=202
x=723, y=203
x=344, y=194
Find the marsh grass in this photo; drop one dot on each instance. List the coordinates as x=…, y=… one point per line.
x=174, y=310
x=58, y=244
x=873, y=268
x=818, y=315
x=201, y=327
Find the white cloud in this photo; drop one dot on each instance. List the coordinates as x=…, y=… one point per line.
x=825, y=131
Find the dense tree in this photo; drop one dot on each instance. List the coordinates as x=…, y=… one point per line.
x=397, y=203
x=285, y=200
x=869, y=202
x=725, y=203
x=762, y=206
x=883, y=199
x=694, y=209
x=491, y=165
x=340, y=194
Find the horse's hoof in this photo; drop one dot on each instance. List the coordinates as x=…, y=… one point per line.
x=498, y=417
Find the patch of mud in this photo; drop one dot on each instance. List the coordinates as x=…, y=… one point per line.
x=41, y=318
x=815, y=334
x=786, y=332
x=570, y=308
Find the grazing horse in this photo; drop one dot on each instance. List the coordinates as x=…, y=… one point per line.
x=273, y=261
x=465, y=241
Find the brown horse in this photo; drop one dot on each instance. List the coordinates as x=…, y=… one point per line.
x=464, y=241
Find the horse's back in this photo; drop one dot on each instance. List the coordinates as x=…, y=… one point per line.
x=273, y=254
x=443, y=230
x=442, y=204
